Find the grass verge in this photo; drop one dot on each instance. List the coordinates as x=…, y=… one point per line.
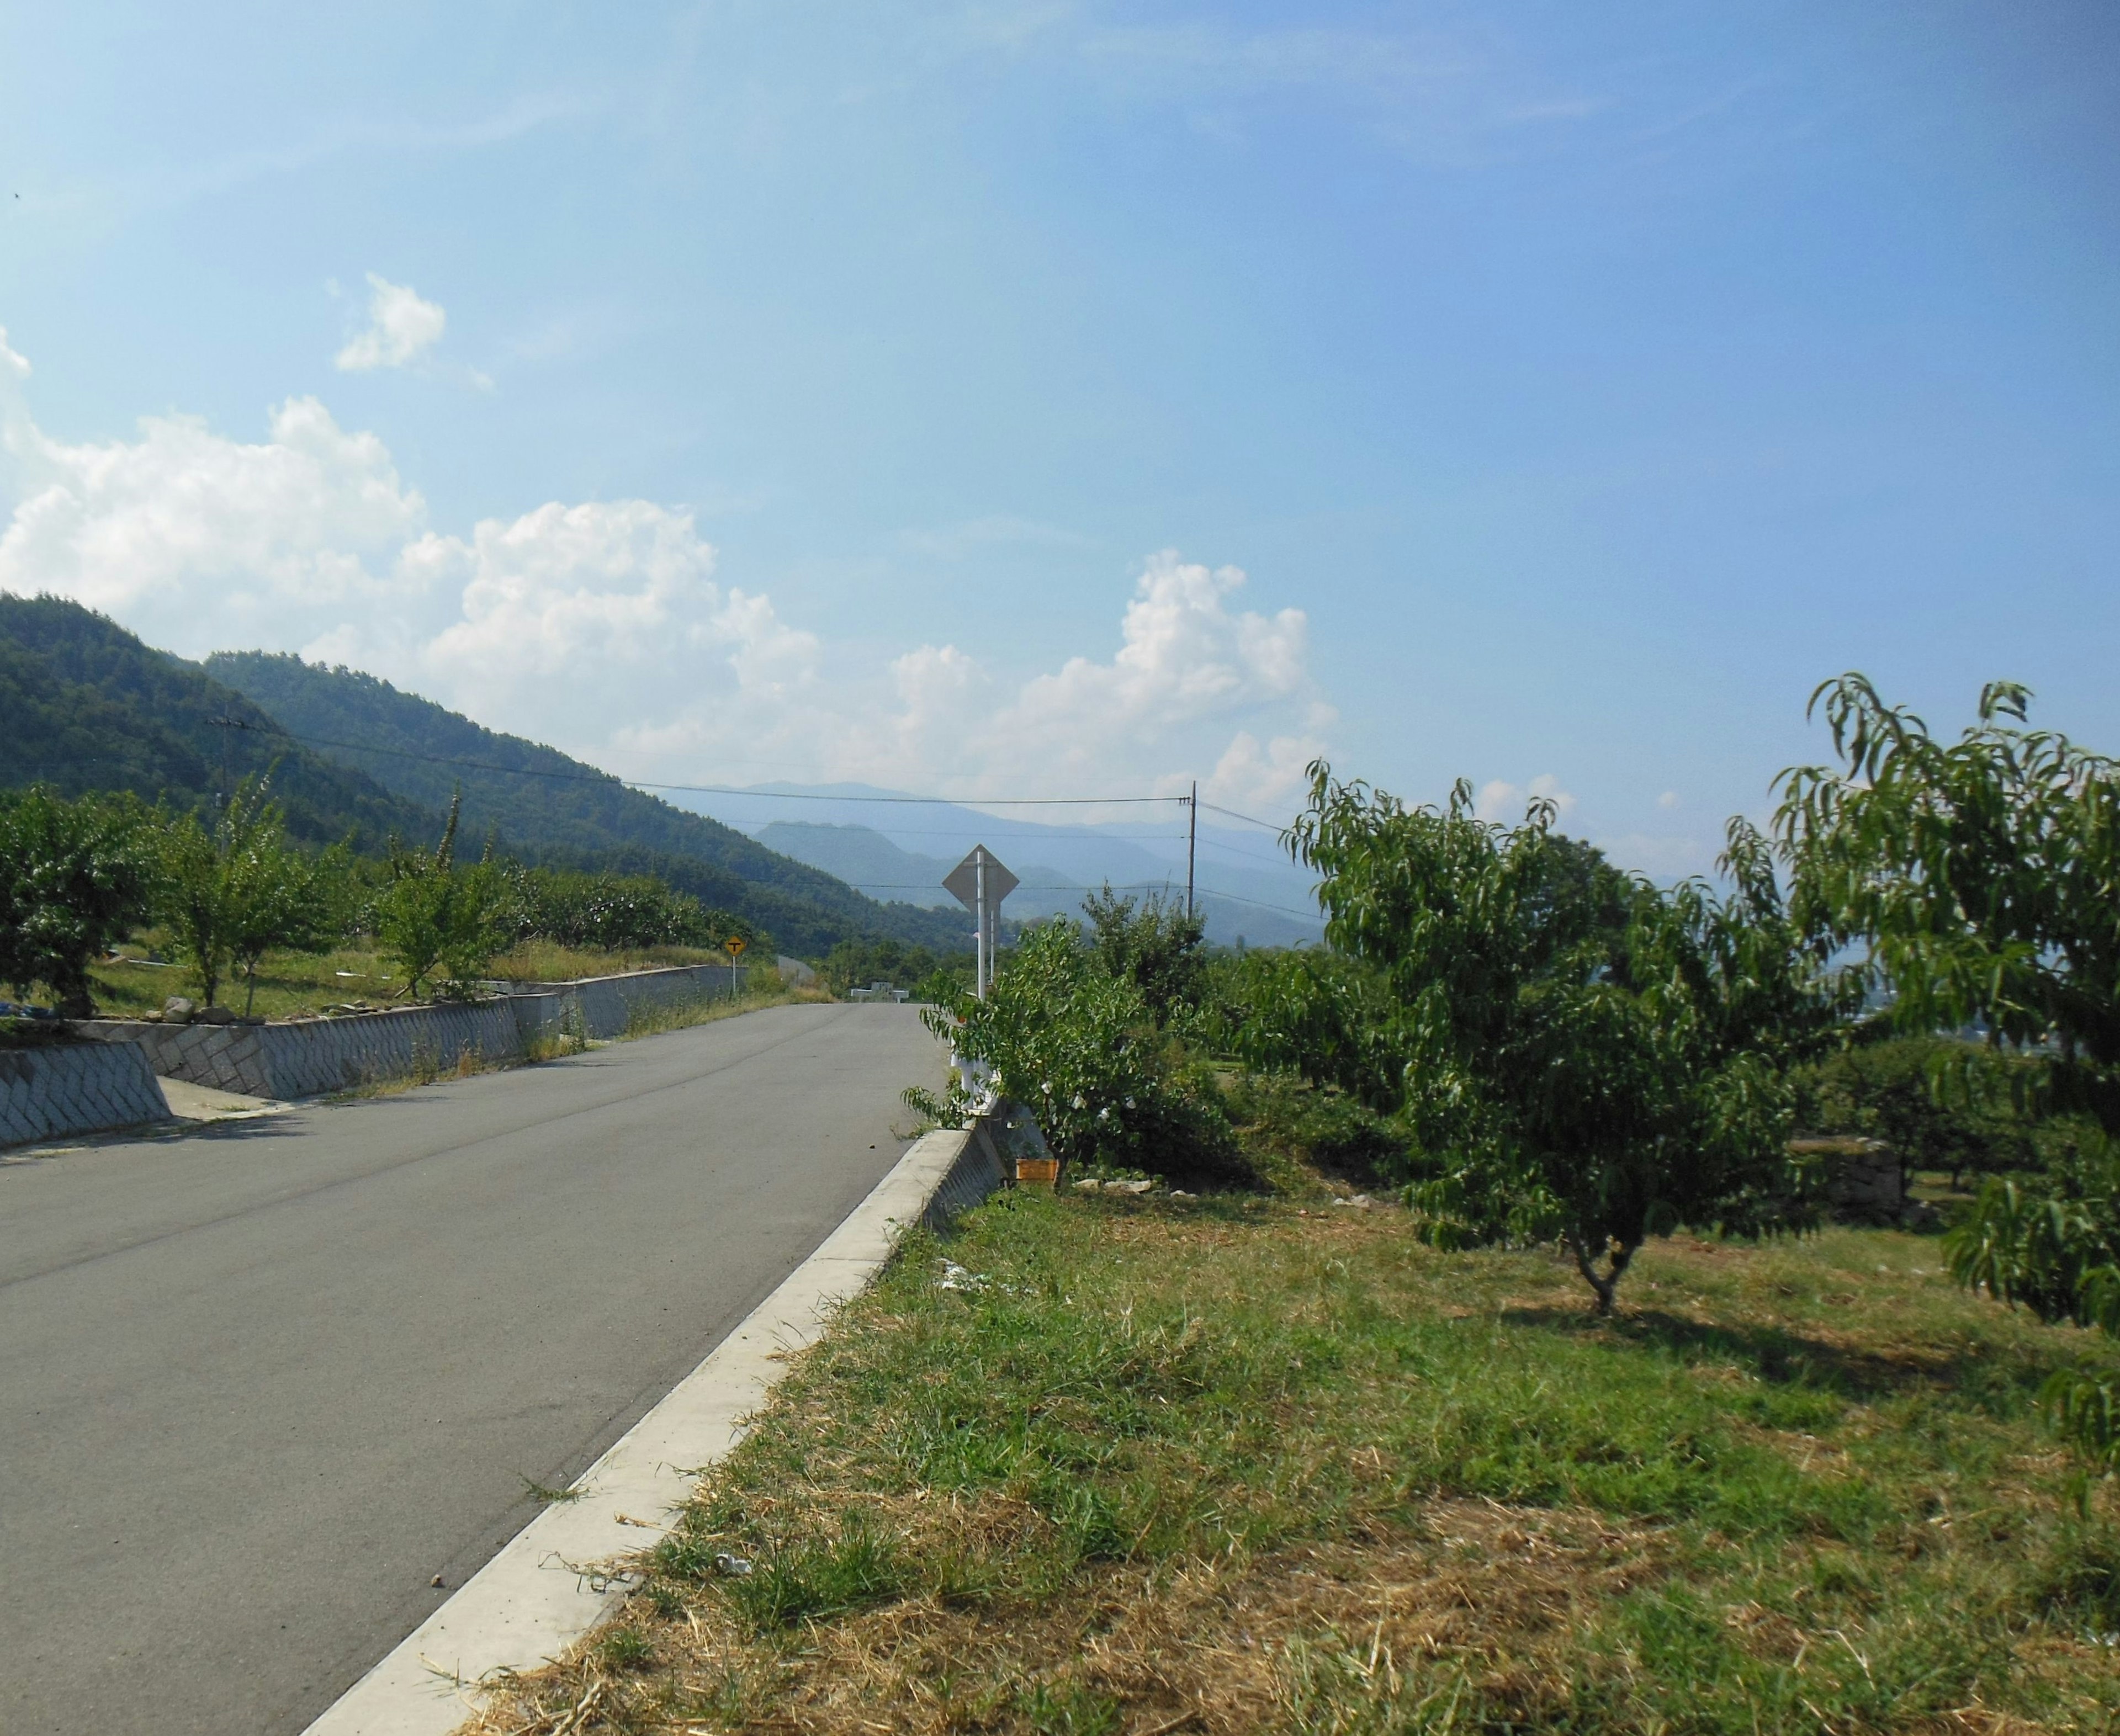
x=1232, y=1466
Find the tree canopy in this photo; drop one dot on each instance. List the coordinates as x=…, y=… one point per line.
x=1576, y=1054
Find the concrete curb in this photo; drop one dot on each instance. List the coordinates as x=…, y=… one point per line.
x=544, y=1591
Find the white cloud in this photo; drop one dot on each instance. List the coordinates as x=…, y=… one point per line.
x=1506, y=802
x=401, y=327
x=182, y=524
x=1669, y=799
x=604, y=627
x=1188, y=666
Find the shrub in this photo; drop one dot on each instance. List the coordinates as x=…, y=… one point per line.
x=615, y=912
x=74, y=877
x=1082, y=1049
x=434, y=917
x=1322, y=1126
x=856, y=963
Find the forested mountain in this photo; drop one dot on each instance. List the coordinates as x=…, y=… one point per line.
x=84, y=705
x=551, y=807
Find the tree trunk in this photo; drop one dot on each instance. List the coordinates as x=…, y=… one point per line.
x=71, y=996
x=1603, y=1284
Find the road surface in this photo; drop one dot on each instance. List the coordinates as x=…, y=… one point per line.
x=259, y=1385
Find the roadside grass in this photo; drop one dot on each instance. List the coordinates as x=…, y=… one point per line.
x=763, y=989
x=288, y=983
x=1236, y=1466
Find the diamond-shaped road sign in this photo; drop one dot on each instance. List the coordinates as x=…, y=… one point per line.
x=962, y=882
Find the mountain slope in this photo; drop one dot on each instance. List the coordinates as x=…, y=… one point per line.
x=88, y=707
x=549, y=806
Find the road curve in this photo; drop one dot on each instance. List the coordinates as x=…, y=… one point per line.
x=260, y=1386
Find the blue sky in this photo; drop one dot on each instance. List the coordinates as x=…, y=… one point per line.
x=749, y=392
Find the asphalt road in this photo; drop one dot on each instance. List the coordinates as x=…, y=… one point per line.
x=259, y=1385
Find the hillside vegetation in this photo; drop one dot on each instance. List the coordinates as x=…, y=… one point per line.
x=92, y=709
x=552, y=808
x=89, y=707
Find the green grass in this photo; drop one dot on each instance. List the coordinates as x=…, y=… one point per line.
x=1293, y=1471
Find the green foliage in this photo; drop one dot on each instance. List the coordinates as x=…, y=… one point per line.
x=1154, y=945
x=90, y=709
x=75, y=876
x=1110, y=1087
x=434, y=917
x=1896, y=1091
x=1579, y=1056
x=617, y=912
x=2053, y=1246
x=854, y=964
x=1984, y=875
x=230, y=894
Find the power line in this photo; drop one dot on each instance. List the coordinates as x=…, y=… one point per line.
x=1248, y=818
x=1167, y=885
x=701, y=789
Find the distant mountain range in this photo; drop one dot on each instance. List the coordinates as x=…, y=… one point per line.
x=85, y=705
x=891, y=845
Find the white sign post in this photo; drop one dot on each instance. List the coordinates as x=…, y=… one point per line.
x=979, y=883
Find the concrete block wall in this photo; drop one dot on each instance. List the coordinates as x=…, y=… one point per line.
x=303, y=1057
x=604, y=1006
x=76, y=1087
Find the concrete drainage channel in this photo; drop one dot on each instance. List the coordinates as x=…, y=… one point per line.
x=558, y=1577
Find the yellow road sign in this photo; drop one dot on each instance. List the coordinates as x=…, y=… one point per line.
x=732, y=945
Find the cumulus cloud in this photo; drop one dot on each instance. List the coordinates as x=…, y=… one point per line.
x=182, y=524
x=1506, y=802
x=400, y=327
x=605, y=627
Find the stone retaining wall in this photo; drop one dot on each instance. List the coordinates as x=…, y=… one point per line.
x=605, y=1006
x=304, y=1056
x=76, y=1087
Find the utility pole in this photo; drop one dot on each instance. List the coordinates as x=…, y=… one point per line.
x=1192, y=843
x=979, y=961
x=224, y=725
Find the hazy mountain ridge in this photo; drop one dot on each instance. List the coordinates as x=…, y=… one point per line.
x=856, y=830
